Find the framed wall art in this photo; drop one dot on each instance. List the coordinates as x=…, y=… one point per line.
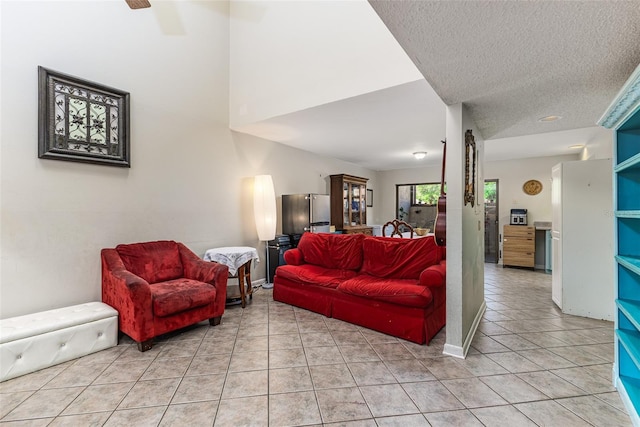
x=470, y=157
x=369, y=198
x=82, y=121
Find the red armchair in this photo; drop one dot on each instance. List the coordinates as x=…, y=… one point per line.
x=158, y=287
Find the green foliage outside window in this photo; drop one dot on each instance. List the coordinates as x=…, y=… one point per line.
x=426, y=194
x=490, y=191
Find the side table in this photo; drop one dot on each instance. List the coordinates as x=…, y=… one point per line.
x=238, y=259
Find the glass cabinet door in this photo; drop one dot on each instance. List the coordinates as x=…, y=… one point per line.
x=346, y=203
x=355, y=204
x=363, y=204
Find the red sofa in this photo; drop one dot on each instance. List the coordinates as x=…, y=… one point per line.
x=392, y=285
x=158, y=287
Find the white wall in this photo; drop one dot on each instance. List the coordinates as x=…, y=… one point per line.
x=294, y=171
x=465, y=236
x=190, y=178
x=340, y=49
x=599, y=148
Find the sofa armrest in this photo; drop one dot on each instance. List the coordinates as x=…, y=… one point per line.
x=293, y=257
x=129, y=294
x=434, y=275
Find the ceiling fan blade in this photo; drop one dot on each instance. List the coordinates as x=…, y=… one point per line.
x=138, y=4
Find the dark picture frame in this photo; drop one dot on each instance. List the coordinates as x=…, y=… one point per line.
x=82, y=121
x=369, y=198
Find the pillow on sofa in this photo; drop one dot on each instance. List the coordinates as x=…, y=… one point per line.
x=341, y=251
x=399, y=258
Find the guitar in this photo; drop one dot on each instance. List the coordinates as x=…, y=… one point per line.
x=441, y=218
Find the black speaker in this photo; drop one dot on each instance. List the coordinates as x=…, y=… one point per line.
x=275, y=251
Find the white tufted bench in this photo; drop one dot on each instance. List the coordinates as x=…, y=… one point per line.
x=39, y=340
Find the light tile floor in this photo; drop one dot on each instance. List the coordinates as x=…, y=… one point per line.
x=272, y=364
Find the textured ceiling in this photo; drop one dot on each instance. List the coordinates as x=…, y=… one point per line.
x=514, y=62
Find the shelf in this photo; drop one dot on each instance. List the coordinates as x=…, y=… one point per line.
x=631, y=162
x=631, y=263
x=631, y=309
x=628, y=214
x=631, y=343
x=632, y=387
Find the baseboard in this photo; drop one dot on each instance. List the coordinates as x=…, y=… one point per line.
x=454, y=351
x=626, y=401
x=461, y=352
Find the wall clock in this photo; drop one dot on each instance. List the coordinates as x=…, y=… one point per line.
x=532, y=187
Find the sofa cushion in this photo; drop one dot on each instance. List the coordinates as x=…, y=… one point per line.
x=399, y=258
x=153, y=261
x=314, y=275
x=405, y=292
x=339, y=251
x=174, y=296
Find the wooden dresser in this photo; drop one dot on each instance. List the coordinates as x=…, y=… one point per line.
x=518, y=246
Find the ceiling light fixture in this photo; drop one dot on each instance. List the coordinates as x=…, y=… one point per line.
x=576, y=146
x=549, y=118
x=419, y=155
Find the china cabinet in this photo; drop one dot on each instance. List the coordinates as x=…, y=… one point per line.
x=348, y=204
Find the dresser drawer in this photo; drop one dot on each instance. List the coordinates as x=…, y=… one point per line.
x=518, y=244
x=519, y=231
x=518, y=260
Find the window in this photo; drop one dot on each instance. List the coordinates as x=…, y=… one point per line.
x=425, y=194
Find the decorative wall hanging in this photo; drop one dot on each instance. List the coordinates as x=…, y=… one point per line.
x=532, y=187
x=82, y=121
x=470, y=168
x=369, y=198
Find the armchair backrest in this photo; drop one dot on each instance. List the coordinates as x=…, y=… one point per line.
x=153, y=261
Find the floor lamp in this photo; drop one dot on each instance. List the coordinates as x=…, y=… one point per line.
x=264, y=210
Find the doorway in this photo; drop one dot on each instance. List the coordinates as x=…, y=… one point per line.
x=491, y=243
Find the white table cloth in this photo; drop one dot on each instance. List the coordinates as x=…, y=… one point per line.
x=232, y=256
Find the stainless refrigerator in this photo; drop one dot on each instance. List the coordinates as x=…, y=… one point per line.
x=305, y=212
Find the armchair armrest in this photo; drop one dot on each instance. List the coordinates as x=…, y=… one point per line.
x=203, y=271
x=129, y=294
x=206, y=271
x=434, y=275
x=293, y=257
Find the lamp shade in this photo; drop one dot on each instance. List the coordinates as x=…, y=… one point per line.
x=264, y=207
